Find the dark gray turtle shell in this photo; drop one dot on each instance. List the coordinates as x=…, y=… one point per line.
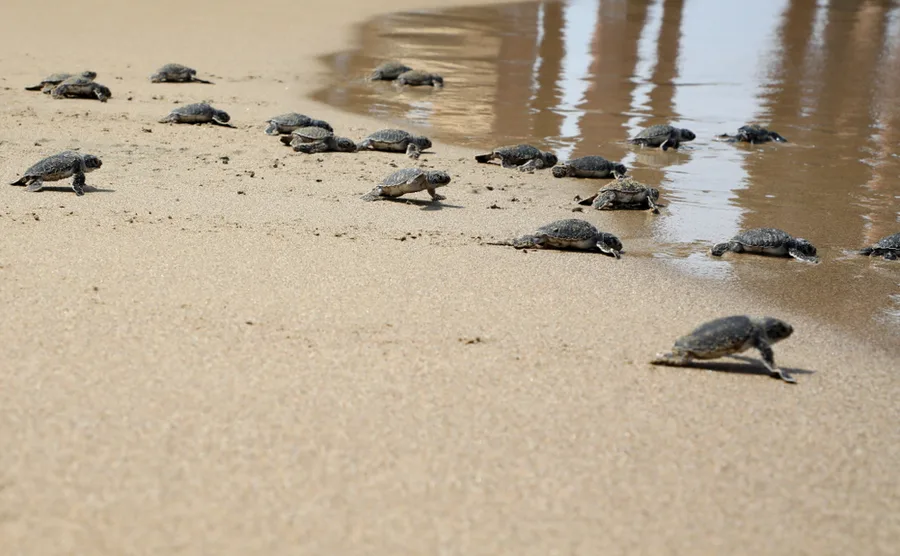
x=520, y=154
x=78, y=86
x=888, y=246
x=402, y=176
x=173, y=73
x=589, y=167
x=656, y=135
x=286, y=123
x=569, y=230
x=763, y=237
x=389, y=71
x=416, y=77
x=728, y=335
x=309, y=134
x=389, y=137
x=889, y=242
x=199, y=112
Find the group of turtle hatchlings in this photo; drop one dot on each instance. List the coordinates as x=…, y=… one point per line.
x=717, y=338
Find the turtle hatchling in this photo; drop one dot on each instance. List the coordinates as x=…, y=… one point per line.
x=728, y=336
x=589, y=167
x=753, y=134
x=59, y=167
x=313, y=139
x=389, y=71
x=286, y=123
x=48, y=83
x=887, y=247
x=396, y=141
x=176, y=73
x=624, y=193
x=523, y=157
x=663, y=136
x=198, y=113
x=417, y=78
x=81, y=87
x=409, y=180
x=571, y=233
x=768, y=241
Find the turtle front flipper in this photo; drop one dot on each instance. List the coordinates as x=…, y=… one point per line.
x=654, y=208
x=35, y=185
x=672, y=141
x=768, y=359
x=800, y=256
x=530, y=166
x=435, y=196
x=78, y=184
x=100, y=94
x=413, y=151
x=608, y=250
x=587, y=201
x=197, y=80
x=719, y=249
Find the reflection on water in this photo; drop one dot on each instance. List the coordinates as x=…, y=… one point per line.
x=580, y=76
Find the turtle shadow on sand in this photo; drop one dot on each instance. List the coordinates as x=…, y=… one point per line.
x=424, y=204
x=68, y=189
x=741, y=364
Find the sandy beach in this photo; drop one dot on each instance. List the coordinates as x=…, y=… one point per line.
x=221, y=350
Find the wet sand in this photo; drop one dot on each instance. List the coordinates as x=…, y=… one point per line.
x=211, y=355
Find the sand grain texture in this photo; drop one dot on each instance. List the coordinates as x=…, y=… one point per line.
x=211, y=356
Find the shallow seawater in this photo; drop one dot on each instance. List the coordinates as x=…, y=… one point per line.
x=581, y=76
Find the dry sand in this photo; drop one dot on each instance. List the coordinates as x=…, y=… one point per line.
x=241, y=358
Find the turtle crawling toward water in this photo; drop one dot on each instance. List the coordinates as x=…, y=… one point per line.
x=525, y=158
x=768, y=241
x=571, y=233
x=624, y=193
x=663, y=136
x=753, y=134
x=176, y=73
x=286, y=123
x=417, y=78
x=197, y=113
x=59, y=167
x=409, y=180
x=81, y=87
x=887, y=247
x=313, y=139
x=589, y=167
x=48, y=83
x=396, y=141
x=729, y=336
x=389, y=71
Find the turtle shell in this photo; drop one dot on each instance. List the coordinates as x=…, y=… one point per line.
x=311, y=134
x=389, y=71
x=763, y=237
x=626, y=185
x=655, y=132
x=571, y=229
x=717, y=337
x=401, y=177
x=389, y=136
x=889, y=242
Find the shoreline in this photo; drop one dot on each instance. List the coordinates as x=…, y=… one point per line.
x=233, y=355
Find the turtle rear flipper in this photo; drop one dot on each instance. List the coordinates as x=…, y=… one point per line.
x=484, y=157
x=35, y=185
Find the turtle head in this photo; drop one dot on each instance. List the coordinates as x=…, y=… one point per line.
x=222, y=116
x=550, y=159
x=89, y=75
x=619, y=170
x=802, y=249
x=560, y=170
x=437, y=178
x=687, y=135
x=775, y=329
x=437, y=80
x=345, y=145
x=91, y=162
x=777, y=137
x=421, y=141
x=609, y=244
x=653, y=193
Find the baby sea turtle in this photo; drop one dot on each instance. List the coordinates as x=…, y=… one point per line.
x=176, y=73
x=389, y=71
x=396, y=141
x=753, y=134
x=589, y=167
x=524, y=157
x=286, y=123
x=197, y=113
x=728, y=336
x=48, y=83
x=313, y=139
x=768, y=241
x=887, y=247
x=416, y=78
x=663, y=136
x=59, y=167
x=571, y=233
x=625, y=193
x=409, y=180
x=81, y=87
